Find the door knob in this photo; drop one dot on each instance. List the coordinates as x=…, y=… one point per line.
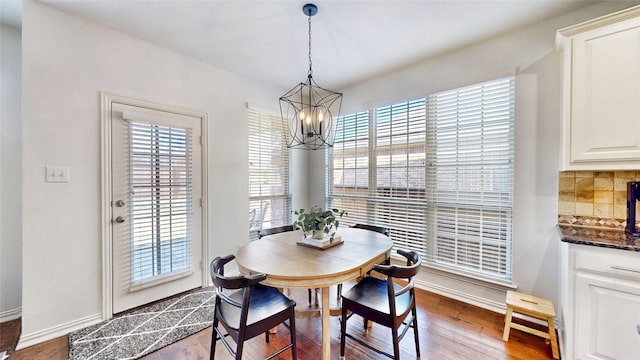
x=120, y=203
x=119, y=219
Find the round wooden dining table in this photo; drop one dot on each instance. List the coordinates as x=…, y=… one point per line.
x=289, y=264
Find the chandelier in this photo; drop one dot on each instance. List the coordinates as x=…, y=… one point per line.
x=308, y=111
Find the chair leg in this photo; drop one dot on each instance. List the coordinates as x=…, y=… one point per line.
x=266, y=336
x=343, y=331
x=415, y=330
x=396, y=343
x=214, y=337
x=292, y=330
x=315, y=294
x=239, y=348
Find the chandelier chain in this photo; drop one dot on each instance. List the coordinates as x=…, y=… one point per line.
x=310, y=70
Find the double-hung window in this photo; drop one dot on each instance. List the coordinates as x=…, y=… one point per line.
x=438, y=172
x=470, y=178
x=269, y=192
x=348, y=178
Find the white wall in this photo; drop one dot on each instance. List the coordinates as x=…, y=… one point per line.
x=530, y=55
x=67, y=61
x=10, y=175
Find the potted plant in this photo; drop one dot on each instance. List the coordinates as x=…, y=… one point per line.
x=317, y=222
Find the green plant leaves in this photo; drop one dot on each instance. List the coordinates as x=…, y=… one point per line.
x=318, y=219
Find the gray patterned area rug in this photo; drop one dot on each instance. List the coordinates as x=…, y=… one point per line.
x=144, y=330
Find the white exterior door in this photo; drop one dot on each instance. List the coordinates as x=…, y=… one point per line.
x=156, y=188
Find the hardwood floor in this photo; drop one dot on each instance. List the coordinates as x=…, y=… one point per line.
x=448, y=329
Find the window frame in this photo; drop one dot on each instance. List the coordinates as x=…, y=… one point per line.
x=261, y=204
x=428, y=234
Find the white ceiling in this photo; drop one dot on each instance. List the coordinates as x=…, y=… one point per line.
x=351, y=40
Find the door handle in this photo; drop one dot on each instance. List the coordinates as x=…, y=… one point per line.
x=120, y=203
x=119, y=219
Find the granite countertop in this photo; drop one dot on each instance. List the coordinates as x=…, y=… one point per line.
x=609, y=238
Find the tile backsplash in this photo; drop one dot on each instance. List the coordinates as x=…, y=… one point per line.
x=594, y=198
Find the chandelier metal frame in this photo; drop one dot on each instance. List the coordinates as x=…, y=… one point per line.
x=309, y=112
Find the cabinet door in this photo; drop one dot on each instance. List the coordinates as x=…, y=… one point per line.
x=607, y=316
x=605, y=94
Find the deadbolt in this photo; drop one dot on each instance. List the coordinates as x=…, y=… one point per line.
x=119, y=219
x=120, y=203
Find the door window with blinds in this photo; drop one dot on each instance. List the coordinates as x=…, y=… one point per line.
x=160, y=199
x=269, y=192
x=438, y=172
x=155, y=201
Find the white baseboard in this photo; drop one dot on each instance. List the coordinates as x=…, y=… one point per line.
x=462, y=296
x=10, y=314
x=487, y=304
x=37, y=337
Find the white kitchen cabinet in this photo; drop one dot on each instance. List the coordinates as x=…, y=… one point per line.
x=601, y=89
x=604, y=306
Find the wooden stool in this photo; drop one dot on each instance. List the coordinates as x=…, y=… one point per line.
x=535, y=307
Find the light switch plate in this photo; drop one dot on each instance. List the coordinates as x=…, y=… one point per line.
x=58, y=174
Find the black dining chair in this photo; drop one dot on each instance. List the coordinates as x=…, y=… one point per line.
x=274, y=230
x=385, y=302
x=246, y=309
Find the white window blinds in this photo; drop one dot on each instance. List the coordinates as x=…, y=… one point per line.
x=160, y=178
x=436, y=171
x=470, y=177
x=400, y=172
x=350, y=164
x=378, y=171
x=269, y=193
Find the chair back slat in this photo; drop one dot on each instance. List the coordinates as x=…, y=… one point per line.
x=231, y=282
x=412, y=256
x=275, y=230
x=226, y=298
x=406, y=288
x=403, y=272
x=378, y=229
